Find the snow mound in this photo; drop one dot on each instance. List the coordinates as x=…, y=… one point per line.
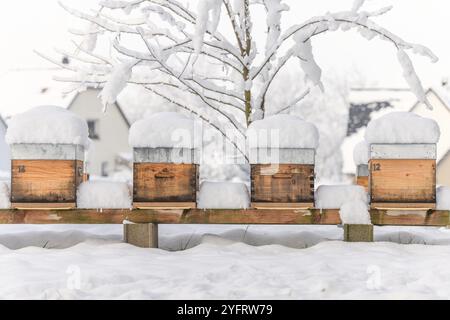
x=292, y=132
x=334, y=197
x=47, y=124
x=355, y=212
x=4, y=195
x=443, y=198
x=214, y=239
x=103, y=195
x=223, y=195
x=165, y=129
x=361, y=153
x=402, y=127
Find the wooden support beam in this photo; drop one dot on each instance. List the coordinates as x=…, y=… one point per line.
x=218, y=216
x=358, y=232
x=170, y=216
x=410, y=218
x=144, y=235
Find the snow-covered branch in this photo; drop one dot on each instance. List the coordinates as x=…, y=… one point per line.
x=166, y=44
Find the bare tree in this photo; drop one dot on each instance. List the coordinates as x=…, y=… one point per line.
x=206, y=61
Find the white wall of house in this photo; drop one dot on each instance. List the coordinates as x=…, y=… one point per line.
x=5, y=160
x=441, y=114
x=110, y=128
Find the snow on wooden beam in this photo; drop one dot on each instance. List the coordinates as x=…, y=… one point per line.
x=218, y=216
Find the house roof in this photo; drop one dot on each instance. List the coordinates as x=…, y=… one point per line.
x=2, y=122
x=118, y=105
x=27, y=89
x=441, y=93
x=440, y=115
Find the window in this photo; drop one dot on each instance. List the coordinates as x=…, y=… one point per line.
x=92, y=127
x=104, y=169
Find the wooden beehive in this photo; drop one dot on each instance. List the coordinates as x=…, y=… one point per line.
x=45, y=175
x=402, y=176
x=165, y=178
x=289, y=183
x=362, y=176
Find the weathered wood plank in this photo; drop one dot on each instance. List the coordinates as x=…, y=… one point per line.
x=282, y=205
x=44, y=205
x=165, y=182
x=218, y=216
x=363, y=181
x=170, y=216
x=164, y=205
x=402, y=181
x=282, y=183
x=411, y=218
x=44, y=181
x=403, y=206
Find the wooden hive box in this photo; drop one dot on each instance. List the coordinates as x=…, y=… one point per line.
x=165, y=177
x=287, y=184
x=45, y=175
x=362, y=176
x=402, y=176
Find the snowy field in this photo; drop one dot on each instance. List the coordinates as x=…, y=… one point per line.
x=223, y=262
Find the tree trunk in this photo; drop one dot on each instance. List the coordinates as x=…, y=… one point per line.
x=246, y=73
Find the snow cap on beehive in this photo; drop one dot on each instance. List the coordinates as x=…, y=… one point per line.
x=165, y=130
x=289, y=132
x=402, y=127
x=49, y=125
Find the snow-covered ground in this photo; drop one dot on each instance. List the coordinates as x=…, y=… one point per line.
x=223, y=262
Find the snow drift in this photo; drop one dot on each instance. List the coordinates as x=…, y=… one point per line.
x=103, y=195
x=334, y=197
x=355, y=212
x=4, y=195
x=361, y=153
x=47, y=124
x=443, y=198
x=402, y=127
x=223, y=195
x=165, y=129
x=288, y=131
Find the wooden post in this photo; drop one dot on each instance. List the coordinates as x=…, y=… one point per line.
x=358, y=232
x=144, y=235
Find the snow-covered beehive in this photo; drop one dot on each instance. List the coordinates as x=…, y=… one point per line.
x=166, y=155
x=361, y=156
x=402, y=165
x=47, y=157
x=282, y=156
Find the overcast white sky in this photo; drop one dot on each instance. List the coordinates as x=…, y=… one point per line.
x=26, y=25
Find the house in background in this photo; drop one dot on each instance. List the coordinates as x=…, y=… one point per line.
x=5, y=158
x=439, y=98
x=109, y=152
x=372, y=103
x=109, y=155
x=366, y=104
